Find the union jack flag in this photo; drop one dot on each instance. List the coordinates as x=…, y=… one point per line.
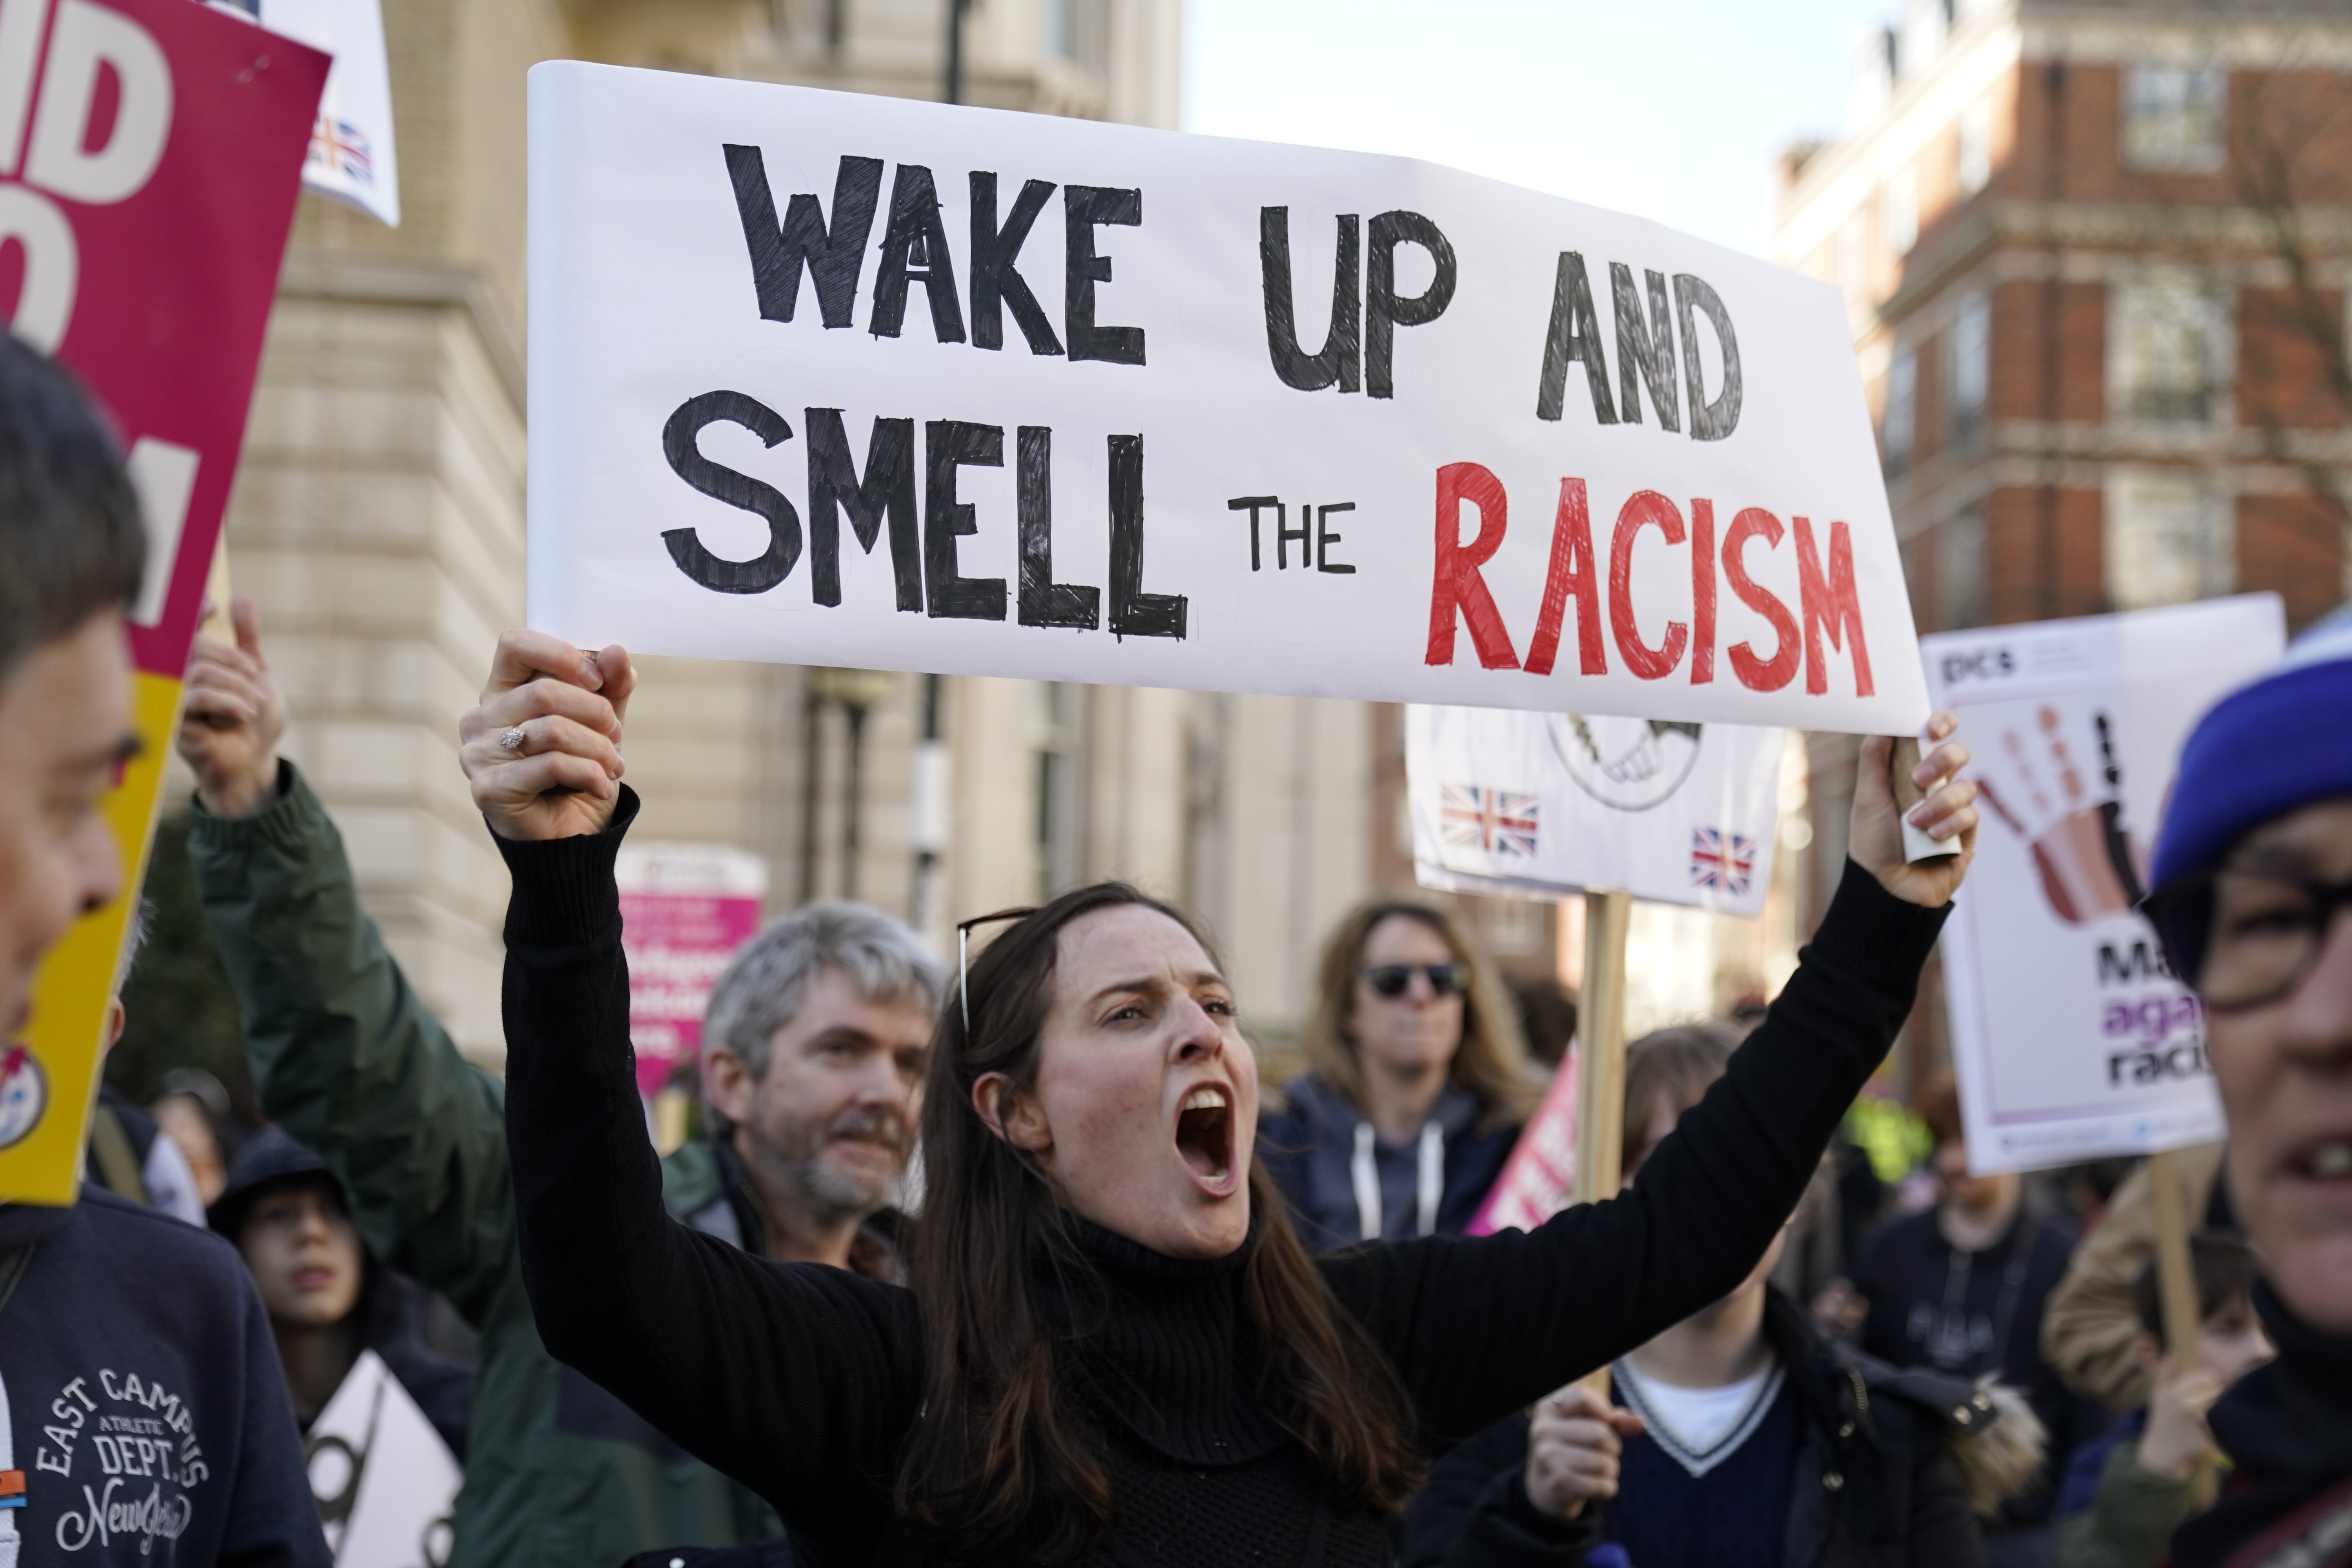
x=343, y=149
x=1722, y=860
x=1492, y=821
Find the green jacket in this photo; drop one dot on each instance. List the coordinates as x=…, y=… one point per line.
x=2131, y=1522
x=559, y=1473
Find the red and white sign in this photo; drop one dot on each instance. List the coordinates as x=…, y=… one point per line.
x=151, y=152
x=828, y=378
x=685, y=908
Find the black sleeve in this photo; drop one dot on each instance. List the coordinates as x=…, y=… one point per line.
x=795, y=1379
x=1473, y=1512
x=1943, y=1531
x=1479, y=1326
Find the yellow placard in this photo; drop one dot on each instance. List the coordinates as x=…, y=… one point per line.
x=49, y=1081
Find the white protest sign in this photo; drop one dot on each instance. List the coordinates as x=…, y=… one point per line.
x=2070, y=1037
x=385, y=1482
x=1546, y=804
x=351, y=158
x=851, y=379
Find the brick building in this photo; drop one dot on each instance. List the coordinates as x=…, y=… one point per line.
x=2095, y=254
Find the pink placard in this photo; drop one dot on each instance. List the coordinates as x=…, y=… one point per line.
x=677, y=944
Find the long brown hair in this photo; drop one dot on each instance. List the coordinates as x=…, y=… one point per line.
x=999, y=1466
x=1492, y=1062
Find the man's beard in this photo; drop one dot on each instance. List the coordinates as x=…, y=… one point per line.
x=835, y=1193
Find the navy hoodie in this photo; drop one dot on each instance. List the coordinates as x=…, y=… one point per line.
x=147, y=1420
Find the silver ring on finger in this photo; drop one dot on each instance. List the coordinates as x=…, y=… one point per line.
x=511, y=741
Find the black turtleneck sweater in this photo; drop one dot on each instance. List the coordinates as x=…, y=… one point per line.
x=802, y=1381
x=2288, y=1428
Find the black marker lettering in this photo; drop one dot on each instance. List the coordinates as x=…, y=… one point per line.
x=1325, y=539
x=1133, y=612
x=1575, y=335
x=1083, y=208
x=888, y=490
x=718, y=483
x=1340, y=358
x=948, y=444
x=995, y=281
x=915, y=250
x=1709, y=421
x=1645, y=355
x=835, y=253
x=1383, y=311
x=1044, y=602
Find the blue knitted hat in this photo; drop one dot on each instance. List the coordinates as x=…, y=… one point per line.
x=2279, y=742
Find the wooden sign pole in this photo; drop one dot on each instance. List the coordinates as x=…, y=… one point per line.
x=1601, y=1058
x=2176, y=1280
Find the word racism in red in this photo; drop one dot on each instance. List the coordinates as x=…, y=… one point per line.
x=1827, y=605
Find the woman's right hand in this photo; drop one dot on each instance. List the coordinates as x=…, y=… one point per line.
x=1573, y=1441
x=564, y=778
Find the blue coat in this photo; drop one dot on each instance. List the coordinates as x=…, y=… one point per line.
x=1308, y=1147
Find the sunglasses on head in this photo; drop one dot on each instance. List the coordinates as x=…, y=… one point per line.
x=1394, y=980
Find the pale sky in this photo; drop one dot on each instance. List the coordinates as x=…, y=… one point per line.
x=1673, y=110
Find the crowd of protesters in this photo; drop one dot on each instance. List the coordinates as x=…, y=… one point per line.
x=1119, y=1313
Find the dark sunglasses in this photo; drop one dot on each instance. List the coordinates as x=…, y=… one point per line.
x=1392, y=979
x=2244, y=937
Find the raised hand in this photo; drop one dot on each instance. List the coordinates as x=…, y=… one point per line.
x=542, y=749
x=1573, y=1442
x=1948, y=814
x=233, y=719
x=2178, y=1440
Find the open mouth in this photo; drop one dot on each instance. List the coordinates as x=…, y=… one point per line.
x=2324, y=1160
x=1204, y=1137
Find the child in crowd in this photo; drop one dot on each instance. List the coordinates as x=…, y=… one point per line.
x=2126, y=1494
x=1742, y=1435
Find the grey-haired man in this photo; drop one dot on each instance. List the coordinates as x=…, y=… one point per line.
x=815, y=1042
x=813, y=1053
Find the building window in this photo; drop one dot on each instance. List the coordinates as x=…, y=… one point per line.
x=1056, y=721
x=1971, y=360
x=1974, y=171
x=1961, y=568
x=1899, y=430
x=2175, y=118
x=2168, y=540
x=1079, y=31
x=1903, y=211
x=2167, y=346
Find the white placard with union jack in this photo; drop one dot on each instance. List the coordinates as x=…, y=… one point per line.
x=1546, y=804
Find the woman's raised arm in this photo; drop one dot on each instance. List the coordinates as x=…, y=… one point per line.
x=1480, y=1326
x=796, y=1379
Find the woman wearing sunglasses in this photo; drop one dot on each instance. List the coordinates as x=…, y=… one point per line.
x=1112, y=1347
x=2253, y=877
x=1417, y=1086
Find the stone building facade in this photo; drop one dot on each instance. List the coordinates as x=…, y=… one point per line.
x=378, y=520
x=2095, y=256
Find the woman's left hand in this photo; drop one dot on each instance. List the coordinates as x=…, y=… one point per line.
x=1948, y=814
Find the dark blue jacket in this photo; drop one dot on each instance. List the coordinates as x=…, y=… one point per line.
x=1307, y=1147
x=150, y=1421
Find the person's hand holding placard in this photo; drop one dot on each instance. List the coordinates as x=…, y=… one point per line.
x=542, y=750
x=1946, y=812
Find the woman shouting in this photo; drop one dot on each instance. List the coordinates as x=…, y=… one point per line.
x=1111, y=1347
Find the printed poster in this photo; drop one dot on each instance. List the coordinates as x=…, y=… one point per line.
x=834, y=379
x=2071, y=1038
x=150, y=236
x=685, y=908
x=1547, y=804
x=385, y=1481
